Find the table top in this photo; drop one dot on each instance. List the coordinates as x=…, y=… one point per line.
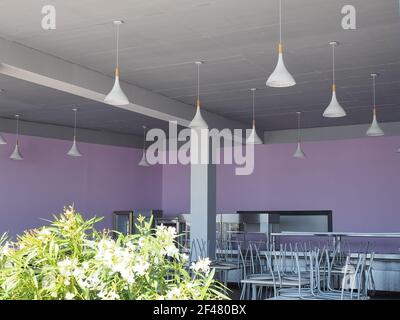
x=224, y=266
x=337, y=234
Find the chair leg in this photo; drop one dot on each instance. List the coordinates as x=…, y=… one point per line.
x=253, y=292
x=243, y=292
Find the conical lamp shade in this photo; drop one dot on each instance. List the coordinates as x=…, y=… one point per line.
x=16, y=155
x=253, y=138
x=299, y=154
x=280, y=78
x=2, y=140
x=375, y=130
x=334, y=110
x=143, y=162
x=74, y=151
x=116, y=97
x=198, y=121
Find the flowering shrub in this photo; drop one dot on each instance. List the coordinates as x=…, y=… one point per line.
x=71, y=260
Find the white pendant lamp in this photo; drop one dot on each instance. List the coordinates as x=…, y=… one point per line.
x=374, y=130
x=334, y=109
x=74, y=151
x=16, y=155
x=253, y=138
x=2, y=140
x=117, y=97
x=299, y=154
x=198, y=122
x=280, y=77
x=143, y=162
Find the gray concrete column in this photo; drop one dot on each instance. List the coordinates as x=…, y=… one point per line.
x=203, y=195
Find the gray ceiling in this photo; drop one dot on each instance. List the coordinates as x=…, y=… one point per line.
x=237, y=40
x=40, y=104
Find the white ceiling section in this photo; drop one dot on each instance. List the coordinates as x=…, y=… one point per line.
x=237, y=39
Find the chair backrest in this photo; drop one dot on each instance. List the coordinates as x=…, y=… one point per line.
x=345, y=280
x=199, y=249
x=299, y=273
x=270, y=269
x=315, y=258
x=242, y=263
x=260, y=265
x=353, y=276
x=368, y=274
x=246, y=257
x=330, y=258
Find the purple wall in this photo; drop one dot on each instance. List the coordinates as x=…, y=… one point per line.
x=176, y=189
x=358, y=179
x=105, y=179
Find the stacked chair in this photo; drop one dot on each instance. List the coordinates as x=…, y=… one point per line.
x=303, y=272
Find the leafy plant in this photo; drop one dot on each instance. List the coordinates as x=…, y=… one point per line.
x=69, y=259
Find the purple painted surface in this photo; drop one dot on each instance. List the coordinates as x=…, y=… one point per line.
x=358, y=179
x=105, y=179
x=176, y=189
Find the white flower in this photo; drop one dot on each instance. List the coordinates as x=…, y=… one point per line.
x=184, y=257
x=67, y=267
x=161, y=228
x=140, y=269
x=5, y=249
x=69, y=296
x=190, y=285
x=78, y=273
x=82, y=283
x=43, y=233
x=171, y=250
x=130, y=246
x=174, y=293
x=93, y=281
x=9, y=284
x=105, y=244
x=165, y=234
x=171, y=231
x=202, y=265
x=112, y=295
x=48, y=281
x=128, y=275
x=141, y=242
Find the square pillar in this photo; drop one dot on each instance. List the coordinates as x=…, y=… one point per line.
x=203, y=194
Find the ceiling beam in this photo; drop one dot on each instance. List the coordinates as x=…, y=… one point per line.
x=45, y=130
x=31, y=65
x=329, y=133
